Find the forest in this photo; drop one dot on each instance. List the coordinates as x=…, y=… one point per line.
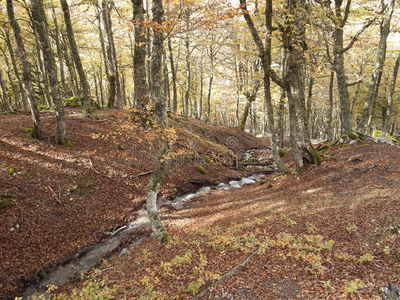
x=123, y=123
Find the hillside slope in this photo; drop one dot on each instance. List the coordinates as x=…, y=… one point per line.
x=330, y=232
x=63, y=199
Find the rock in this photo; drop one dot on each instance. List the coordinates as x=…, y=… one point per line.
x=392, y=292
x=203, y=190
x=123, y=251
x=353, y=142
x=383, y=140
x=247, y=181
x=4, y=203
x=235, y=184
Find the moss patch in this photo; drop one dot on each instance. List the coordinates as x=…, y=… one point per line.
x=201, y=170
x=4, y=203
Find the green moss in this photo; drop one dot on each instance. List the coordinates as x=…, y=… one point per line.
x=4, y=165
x=345, y=145
x=249, y=160
x=201, y=170
x=4, y=203
x=189, y=160
x=27, y=130
x=378, y=133
x=353, y=136
x=165, y=238
x=207, y=159
x=344, y=137
x=121, y=147
x=325, y=147
x=282, y=153
x=262, y=181
x=11, y=171
x=95, y=117
x=27, y=175
x=73, y=102
x=69, y=144
x=398, y=255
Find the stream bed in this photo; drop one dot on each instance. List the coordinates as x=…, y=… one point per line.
x=72, y=268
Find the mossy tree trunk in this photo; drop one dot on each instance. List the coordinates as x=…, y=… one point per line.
x=37, y=124
x=87, y=107
x=162, y=121
x=40, y=25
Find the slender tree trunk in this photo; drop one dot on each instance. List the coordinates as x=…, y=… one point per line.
x=173, y=73
x=87, y=107
x=162, y=120
x=386, y=126
x=330, y=108
x=39, y=19
x=59, y=51
x=37, y=125
x=381, y=55
x=139, y=59
x=5, y=95
x=16, y=72
x=188, y=69
x=43, y=72
x=250, y=97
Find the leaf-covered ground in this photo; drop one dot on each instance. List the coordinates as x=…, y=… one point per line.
x=64, y=199
x=330, y=232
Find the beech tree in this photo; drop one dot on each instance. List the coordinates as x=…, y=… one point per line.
x=37, y=125
x=162, y=121
x=75, y=54
x=40, y=25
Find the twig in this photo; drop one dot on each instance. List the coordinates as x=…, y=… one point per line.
x=143, y=174
x=55, y=195
x=227, y=275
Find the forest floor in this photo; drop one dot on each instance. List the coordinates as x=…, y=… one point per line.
x=329, y=232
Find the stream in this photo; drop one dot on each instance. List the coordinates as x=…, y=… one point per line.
x=72, y=268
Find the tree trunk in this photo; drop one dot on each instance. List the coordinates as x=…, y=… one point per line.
x=39, y=19
x=330, y=108
x=15, y=67
x=161, y=115
x=250, y=97
x=59, y=51
x=37, y=125
x=139, y=59
x=188, y=70
x=381, y=55
x=5, y=95
x=173, y=73
x=87, y=107
x=386, y=126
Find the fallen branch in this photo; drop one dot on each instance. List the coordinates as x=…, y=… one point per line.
x=227, y=275
x=143, y=174
x=55, y=195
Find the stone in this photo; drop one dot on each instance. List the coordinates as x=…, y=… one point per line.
x=247, y=181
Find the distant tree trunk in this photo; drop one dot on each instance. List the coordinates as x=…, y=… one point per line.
x=103, y=47
x=188, y=69
x=43, y=72
x=5, y=95
x=59, y=51
x=39, y=19
x=87, y=107
x=381, y=55
x=139, y=59
x=162, y=120
x=330, y=108
x=173, y=73
x=114, y=96
x=16, y=72
x=167, y=92
x=37, y=125
x=386, y=126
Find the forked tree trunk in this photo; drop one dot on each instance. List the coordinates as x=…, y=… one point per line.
x=87, y=107
x=39, y=19
x=381, y=55
x=157, y=176
x=37, y=125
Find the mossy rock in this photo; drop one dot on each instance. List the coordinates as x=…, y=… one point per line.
x=352, y=136
x=201, y=170
x=4, y=203
x=249, y=160
x=378, y=133
x=73, y=102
